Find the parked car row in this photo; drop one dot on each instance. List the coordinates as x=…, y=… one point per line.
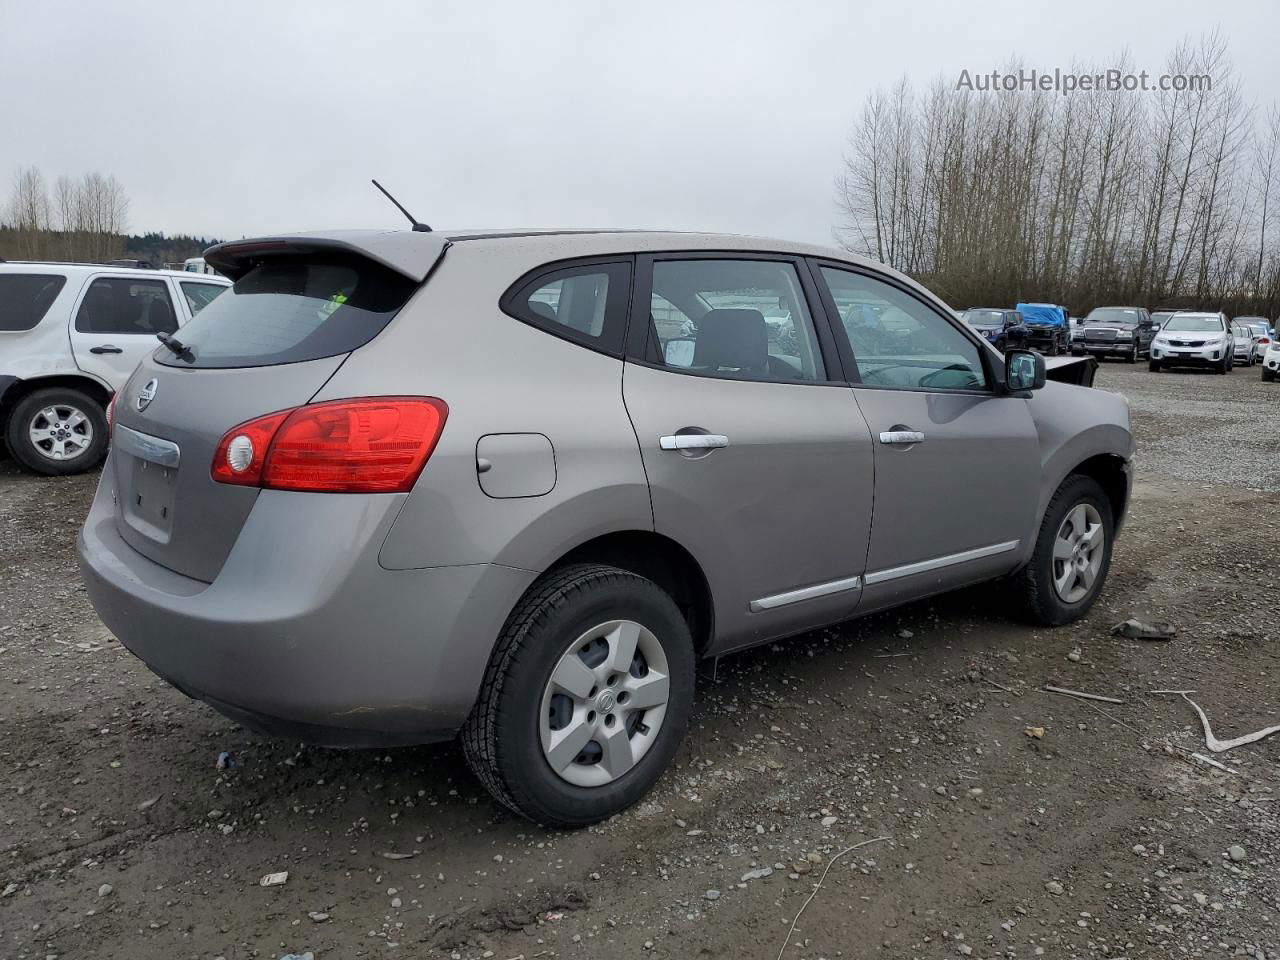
x=1203, y=339
x=1165, y=338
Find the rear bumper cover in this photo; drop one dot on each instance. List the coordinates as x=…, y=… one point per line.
x=302, y=632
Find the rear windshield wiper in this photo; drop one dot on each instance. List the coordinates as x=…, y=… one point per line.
x=177, y=347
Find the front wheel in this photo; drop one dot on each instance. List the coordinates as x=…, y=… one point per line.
x=1153, y=366
x=1072, y=554
x=1132, y=356
x=1268, y=375
x=58, y=431
x=586, y=697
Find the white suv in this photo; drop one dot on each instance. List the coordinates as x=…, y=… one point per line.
x=70, y=336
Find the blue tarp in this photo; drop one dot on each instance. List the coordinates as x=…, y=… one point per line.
x=1043, y=314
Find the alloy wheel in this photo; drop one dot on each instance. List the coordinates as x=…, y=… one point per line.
x=604, y=703
x=61, y=432
x=1078, y=552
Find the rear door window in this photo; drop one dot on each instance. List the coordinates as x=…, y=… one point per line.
x=123, y=305
x=200, y=295
x=738, y=319
x=26, y=297
x=289, y=309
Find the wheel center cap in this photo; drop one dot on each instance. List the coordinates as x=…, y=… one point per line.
x=606, y=701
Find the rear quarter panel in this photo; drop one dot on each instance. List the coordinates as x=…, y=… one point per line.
x=45, y=350
x=500, y=376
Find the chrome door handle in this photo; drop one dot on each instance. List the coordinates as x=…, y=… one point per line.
x=901, y=436
x=694, y=441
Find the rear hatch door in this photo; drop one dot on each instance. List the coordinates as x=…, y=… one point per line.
x=297, y=310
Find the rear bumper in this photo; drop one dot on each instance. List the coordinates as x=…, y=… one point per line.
x=302, y=632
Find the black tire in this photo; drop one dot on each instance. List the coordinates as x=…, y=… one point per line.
x=1043, y=605
x=1153, y=366
x=501, y=737
x=1132, y=355
x=1268, y=375
x=35, y=459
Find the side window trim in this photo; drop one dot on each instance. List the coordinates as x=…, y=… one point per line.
x=612, y=339
x=637, y=350
x=849, y=359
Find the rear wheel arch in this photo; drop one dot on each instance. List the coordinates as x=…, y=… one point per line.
x=660, y=559
x=89, y=386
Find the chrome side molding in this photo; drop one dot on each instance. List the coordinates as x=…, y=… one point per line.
x=937, y=563
x=805, y=593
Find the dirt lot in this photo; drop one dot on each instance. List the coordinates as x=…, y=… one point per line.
x=120, y=838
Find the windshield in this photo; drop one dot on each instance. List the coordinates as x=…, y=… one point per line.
x=1189, y=323
x=1114, y=316
x=290, y=309
x=984, y=318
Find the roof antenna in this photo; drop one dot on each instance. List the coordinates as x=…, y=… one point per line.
x=419, y=227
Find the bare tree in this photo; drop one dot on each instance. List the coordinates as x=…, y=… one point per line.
x=1162, y=197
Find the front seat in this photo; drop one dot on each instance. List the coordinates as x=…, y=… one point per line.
x=732, y=340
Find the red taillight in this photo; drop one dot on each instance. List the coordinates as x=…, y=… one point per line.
x=111, y=413
x=369, y=445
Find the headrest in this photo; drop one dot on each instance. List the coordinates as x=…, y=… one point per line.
x=736, y=338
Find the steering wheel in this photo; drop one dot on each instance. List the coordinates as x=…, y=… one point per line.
x=928, y=380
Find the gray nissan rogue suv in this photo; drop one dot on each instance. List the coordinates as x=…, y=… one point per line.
x=395, y=486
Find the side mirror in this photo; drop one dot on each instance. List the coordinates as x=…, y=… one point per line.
x=1147, y=324
x=1023, y=370
x=679, y=353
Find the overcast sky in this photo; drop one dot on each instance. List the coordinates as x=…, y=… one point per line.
x=241, y=118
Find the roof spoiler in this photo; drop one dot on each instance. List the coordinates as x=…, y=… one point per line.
x=410, y=254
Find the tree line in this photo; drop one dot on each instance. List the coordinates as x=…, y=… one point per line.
x=1160, y=198
x=81, y=220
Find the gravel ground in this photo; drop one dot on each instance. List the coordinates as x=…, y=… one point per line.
x=1201, y=427
x=1102, y=838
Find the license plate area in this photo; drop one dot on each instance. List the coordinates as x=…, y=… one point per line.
x=148, y=473
x=148, y=505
